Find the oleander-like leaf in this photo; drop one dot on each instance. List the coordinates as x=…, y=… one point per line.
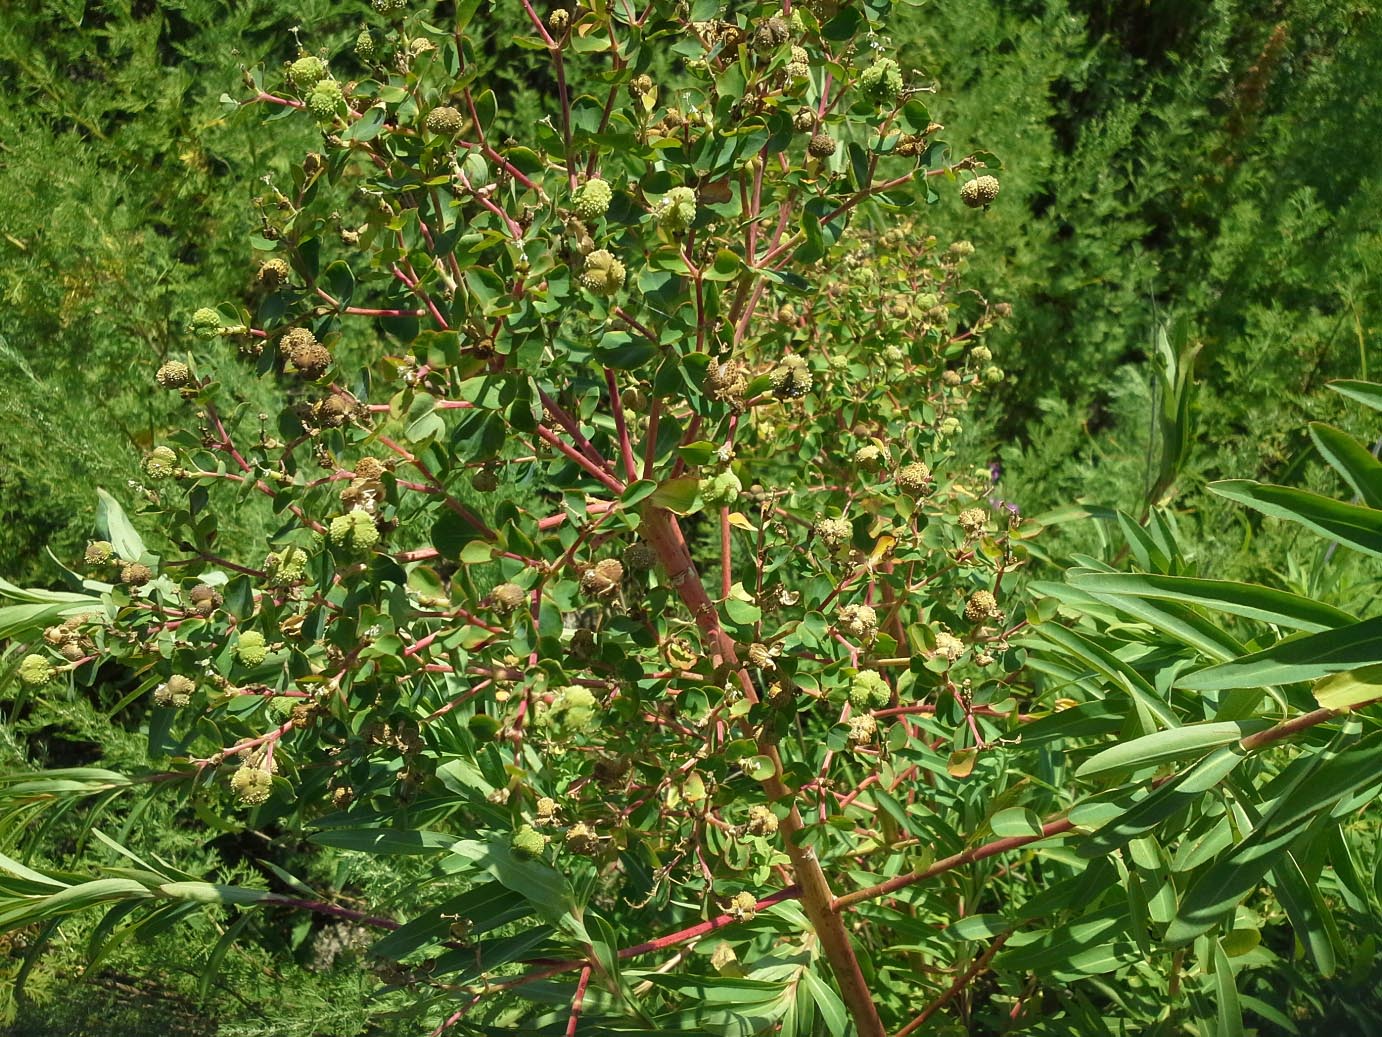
x=1294, y=659
x=1352, y=525
x=1240, y=599
x=1352, y=460
x=1182, y=743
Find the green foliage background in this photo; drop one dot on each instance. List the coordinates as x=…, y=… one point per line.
x=1164, y=164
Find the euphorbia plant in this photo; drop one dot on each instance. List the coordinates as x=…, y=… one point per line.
x=735, y=603
x=628, y=573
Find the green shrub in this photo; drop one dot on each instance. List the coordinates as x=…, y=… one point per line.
x=633, y=607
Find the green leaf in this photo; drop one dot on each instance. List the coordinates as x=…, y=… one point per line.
x=1302, y=658
x=1369, y=393
x=624, y=352
x=1138, y=913
x=384, y=840
x=73, y=899
x=469, y=963
x=452, y=532
x=1317, y=784
x=1107, y=665
x=1015, y=821
x=961, y=762
x=535, y=880
x=218, y=953
x=25, y=621
x=1180, y=622
x=742, y=612
x=369, y=124
x=1124, y=814
x=488, y=906
x=28, y=874
x=1352, y=460
x=111, y=517
x=423, y=420
x=213, y=893
x=340, y=281
x=977, y=927
x=1239, y=599
x=832, y=1009
x=1193, y=740
x=1088, y=947
x=725, y=268
x=677, y=495
x=486, y=104
x=1310, y=918
x=698, y=453
x=465, y=11
x=1226, y=995
x=759, y=768
x=1350, y=524
x=638, y=491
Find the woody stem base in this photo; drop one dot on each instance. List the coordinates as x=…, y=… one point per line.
x=663, y=534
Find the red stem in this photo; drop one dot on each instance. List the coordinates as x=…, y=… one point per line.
x=621, y=426
x=980, y=964
x=576, y=1002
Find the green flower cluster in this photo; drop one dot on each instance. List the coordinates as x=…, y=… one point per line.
x=868, y=690
x=881, y=82
x=251, y=648
x=677, y=210
x=602, y=273
x=355, y=529
x=325, y=100
x=573, y=711
x=592, y=199
x=718, y=490
x=306, y=72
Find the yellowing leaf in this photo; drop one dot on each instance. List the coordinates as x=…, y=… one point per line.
x=1345, y=690
x=961, y=763
x=881, y=550
x=693, y=790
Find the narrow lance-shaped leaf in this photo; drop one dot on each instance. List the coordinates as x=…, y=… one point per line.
x=1351, y=460
x=1353, y=525
x=1179, y=743
x=832, y=1009
x=1309, y=917
x=1233, y=877
x=1367, y=393
x=128, y=544
x=1226, y=995
x=1123, y=816
x=1296, y=659
x=1343, y=691
x=1109, y=666
x=1240, y=599
x=1180, y=622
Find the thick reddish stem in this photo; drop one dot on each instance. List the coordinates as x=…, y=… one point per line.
x=663, y=534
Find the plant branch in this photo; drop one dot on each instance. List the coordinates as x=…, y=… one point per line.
x=963, y=980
